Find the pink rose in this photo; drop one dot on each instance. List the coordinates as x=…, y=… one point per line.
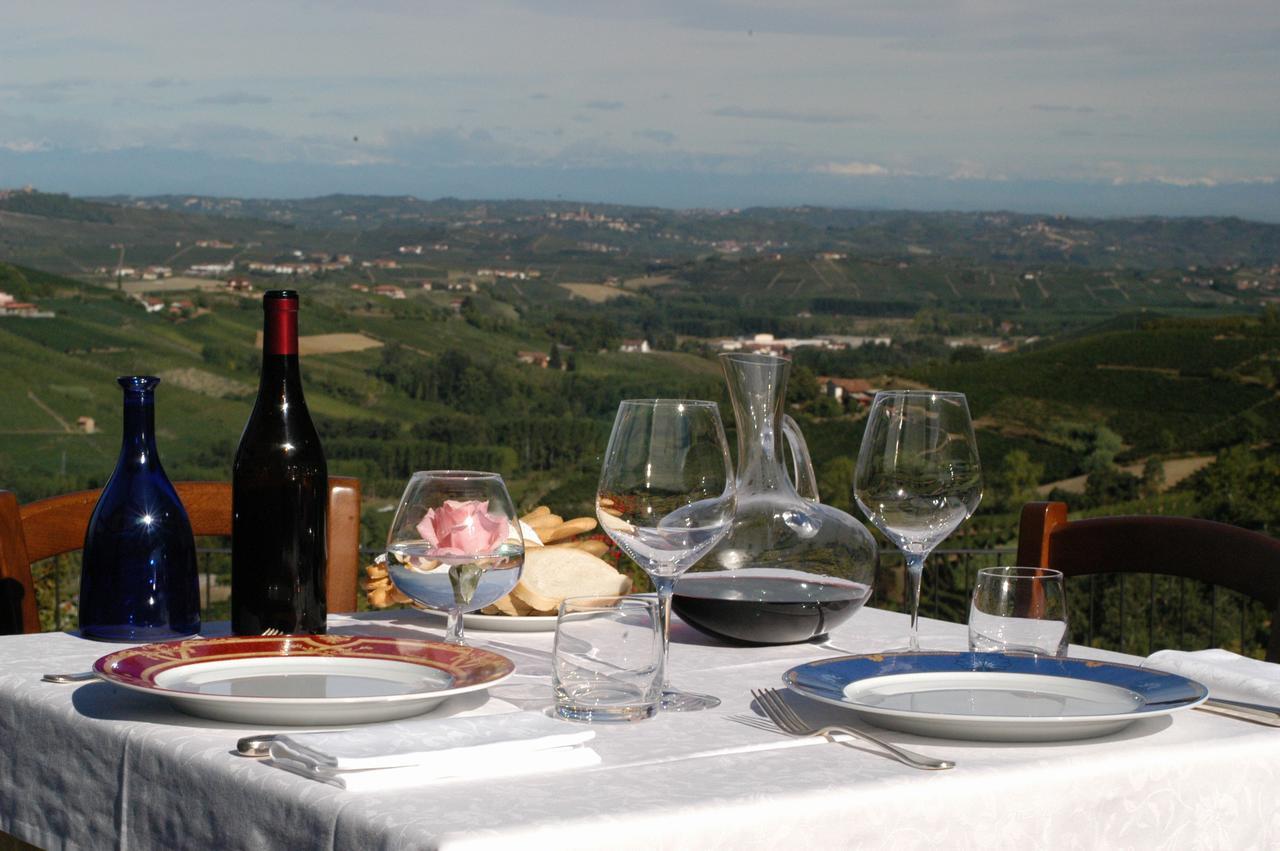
x=463, y=528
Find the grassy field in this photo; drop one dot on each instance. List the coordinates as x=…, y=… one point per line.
x=595, y=293
x=176, y=284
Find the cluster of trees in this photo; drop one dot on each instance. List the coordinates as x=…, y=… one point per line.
x=1242, y=487
x=15, y=283
x=901, y=356
x=584, y=333
x=57, y=206
x=539, y=442
x=454, y=378
x=233, y=358
x=398, y=459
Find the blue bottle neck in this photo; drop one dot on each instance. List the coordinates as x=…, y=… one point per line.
x=138, y=445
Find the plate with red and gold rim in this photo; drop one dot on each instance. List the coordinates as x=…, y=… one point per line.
x=304, y=680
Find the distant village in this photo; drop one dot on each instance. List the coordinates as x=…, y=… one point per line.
x=174, y=286
x=10, y=306
x=238, y=277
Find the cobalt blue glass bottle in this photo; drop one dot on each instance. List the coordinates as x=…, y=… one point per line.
x=139, y=581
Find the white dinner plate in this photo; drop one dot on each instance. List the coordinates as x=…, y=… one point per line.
x=994, y=697
x=501, y=623
x=306, y=680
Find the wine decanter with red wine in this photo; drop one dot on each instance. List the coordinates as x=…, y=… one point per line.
x=790, y=568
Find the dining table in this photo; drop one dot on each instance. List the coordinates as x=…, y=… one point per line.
x=94, y=765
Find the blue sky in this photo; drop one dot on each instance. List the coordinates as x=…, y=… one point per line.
x=1171, y=105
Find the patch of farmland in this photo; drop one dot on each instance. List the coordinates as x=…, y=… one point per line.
x=329, y=344
x=650, y=281
x=596, y=293
x=205, y=383
x=178, y=283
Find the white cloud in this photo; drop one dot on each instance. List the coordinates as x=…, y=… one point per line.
x=853, y=169
x=1187, y=181
x=26, y=146
x=236, y=98
x=966, y=170
x=792, y=115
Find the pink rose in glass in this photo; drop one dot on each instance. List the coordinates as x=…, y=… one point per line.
x=463, y=528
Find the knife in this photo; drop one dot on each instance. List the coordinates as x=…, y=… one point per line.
x=1255, y=712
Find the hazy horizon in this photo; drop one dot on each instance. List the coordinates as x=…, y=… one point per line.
x=1150, y=108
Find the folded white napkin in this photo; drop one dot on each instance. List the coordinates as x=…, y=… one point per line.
x=529, y=534
x=1228, y=675
x=412, y=753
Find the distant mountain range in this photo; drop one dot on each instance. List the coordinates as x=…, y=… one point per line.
x=74, y=236
x=162, y=171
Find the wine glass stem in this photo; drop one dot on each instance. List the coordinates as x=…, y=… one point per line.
x=664, y=586
x=453, y=633
x=915, y=569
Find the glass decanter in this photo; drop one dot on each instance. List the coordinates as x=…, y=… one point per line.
x=790, y=568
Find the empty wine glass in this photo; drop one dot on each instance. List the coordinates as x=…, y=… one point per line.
x=918, y=475
x=455, y=544
x=666, y=497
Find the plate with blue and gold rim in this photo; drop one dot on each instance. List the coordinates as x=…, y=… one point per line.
x=992, y=696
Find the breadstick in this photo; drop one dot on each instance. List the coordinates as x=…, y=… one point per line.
x=536, y=513
x=546, y=521
x=568, y=529
x=596, y=548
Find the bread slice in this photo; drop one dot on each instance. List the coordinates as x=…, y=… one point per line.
x=507, y=605
x=553, y=573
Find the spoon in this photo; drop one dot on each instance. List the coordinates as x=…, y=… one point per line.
x=78, y=677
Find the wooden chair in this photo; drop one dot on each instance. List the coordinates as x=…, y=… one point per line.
x=50, y=527
x=1223, y=555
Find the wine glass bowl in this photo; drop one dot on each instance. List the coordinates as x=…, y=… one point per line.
x=455, y=544
x=918, y=476
x=666, y=498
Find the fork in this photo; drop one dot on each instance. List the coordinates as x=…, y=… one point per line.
x=83, y=676
x=786, y=719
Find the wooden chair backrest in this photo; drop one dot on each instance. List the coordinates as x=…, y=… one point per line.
x=1217, y=553
x=50, y=527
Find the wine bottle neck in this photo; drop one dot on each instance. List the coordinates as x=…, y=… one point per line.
x=281, y=383
x=138, y=445
x=281, y=380
x=280, y=329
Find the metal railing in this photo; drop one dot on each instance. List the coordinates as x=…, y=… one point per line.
x=1133, y=614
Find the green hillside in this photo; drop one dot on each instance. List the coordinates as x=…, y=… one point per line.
x=452, y=382
x=1163, y=389
x=1096, y=352
x=429, y=363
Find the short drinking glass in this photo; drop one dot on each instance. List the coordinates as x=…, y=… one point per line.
x=1018, y=610
x=608, y=659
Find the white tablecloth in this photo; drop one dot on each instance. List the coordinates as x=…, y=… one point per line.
x=94, y=766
